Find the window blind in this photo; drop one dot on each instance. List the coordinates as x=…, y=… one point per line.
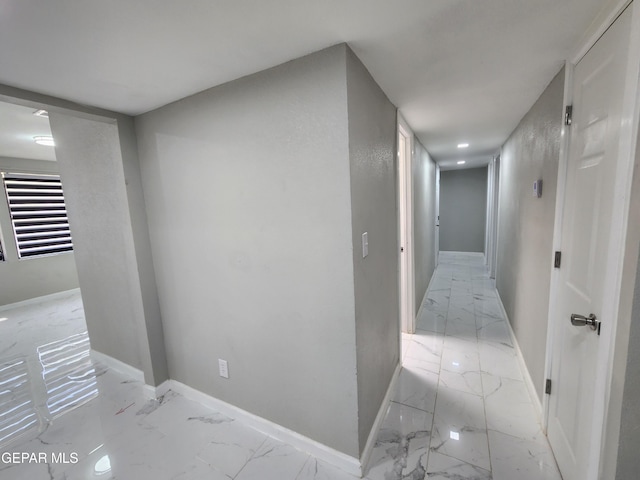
x=38, y=214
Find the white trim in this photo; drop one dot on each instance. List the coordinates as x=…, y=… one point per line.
x=488, y=219
x=118, y=366
x=408, y=317
x=375, y=429
x=494, y=203
x=341, y=460
x=619, y=223
x=160, y=390
x=35, y=300
x=526, y=375
x=437, y=225
x=600, y=25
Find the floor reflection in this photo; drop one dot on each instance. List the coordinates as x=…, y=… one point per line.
x=18, y=413
x=68, y=373
x=36, y=390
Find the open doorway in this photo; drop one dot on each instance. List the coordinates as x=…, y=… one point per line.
x=44, y=346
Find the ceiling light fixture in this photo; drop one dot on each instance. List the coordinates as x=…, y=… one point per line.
x=41, y=113
x=44, y=140
x=461, y=162
x=463, y=145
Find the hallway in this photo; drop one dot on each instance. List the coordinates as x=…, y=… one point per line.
x=461, y=409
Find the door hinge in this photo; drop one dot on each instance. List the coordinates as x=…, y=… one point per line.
x=547, y=387
x=557, y=260
x=568, y=115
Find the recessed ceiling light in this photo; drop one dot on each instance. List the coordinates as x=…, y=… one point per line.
x=461, y=162
x=463, y=145
x=44, y=140
x=41, y=113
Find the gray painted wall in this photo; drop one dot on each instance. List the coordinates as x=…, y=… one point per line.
x=33, y=277
x=92, y=158
x=372, y=139
x=248, y=195
x=463, y=210
x=525, y=228
x=424, y=220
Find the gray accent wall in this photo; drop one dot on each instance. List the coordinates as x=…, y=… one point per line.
x=372, y=138
x=424, y=220
x=463, y=210
x=97, y=158
x=32, y=277
x=525, y=224
x=249, y=203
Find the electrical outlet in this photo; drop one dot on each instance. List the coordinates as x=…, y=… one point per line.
x=223, y=368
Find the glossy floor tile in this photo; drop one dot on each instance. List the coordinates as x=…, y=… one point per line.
x=461, y=370
x=460, y=411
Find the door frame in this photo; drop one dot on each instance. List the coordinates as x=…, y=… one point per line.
x=491, y=236
x=619, y=222
x=405, y=226
x=436, y=241
x=495, y=215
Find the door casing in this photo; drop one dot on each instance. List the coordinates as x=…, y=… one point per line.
x=405, y=227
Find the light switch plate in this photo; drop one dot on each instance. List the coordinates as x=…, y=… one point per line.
x=365, y=244
x=223, y=368
x=537, y=188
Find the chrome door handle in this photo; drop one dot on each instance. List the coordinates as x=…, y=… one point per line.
x=581, y=321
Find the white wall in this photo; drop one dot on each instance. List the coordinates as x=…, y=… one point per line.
x=372, y=138
x=424, y=220
x=525, y=228
x=463, y=210
x=248, y=198
x=31, y=277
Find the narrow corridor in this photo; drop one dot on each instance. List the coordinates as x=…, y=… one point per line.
x=461, y=408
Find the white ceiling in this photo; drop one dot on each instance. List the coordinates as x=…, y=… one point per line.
x=459, y=70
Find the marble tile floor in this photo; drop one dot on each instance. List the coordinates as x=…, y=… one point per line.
x=460, y=410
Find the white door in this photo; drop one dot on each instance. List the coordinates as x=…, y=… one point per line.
x=404, y=259
x=598, y=87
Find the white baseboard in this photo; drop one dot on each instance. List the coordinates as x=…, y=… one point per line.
x=136, y=374
x=118, y=366
x=373, y=435
x=155, y=392
x=341, y=460
x=44, y=298
x=535, y=400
